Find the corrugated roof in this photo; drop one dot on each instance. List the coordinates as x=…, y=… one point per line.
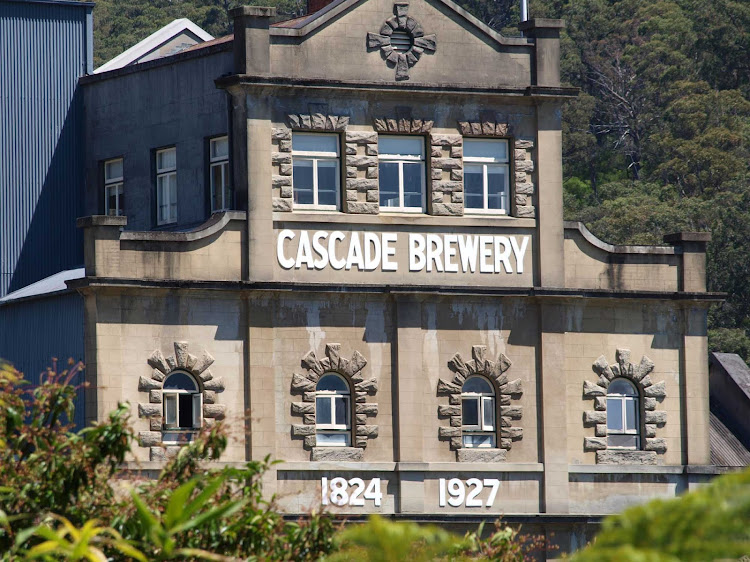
x=206, y=44
x=726, y=449
x=52, y=284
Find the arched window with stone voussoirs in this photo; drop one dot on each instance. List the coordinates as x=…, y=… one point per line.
x=478, y=414
x=623, y=415
x=183, y=402
x=333, y=426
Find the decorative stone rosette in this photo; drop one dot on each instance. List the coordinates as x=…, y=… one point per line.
x=523, y=162
x=153, y=410
x=362, y=389
x=281, y=153
x=506, y=391
x=361, y=159
x=651, y=394
x=396, y=55
x=447, y=175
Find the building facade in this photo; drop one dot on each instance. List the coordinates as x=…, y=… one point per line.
x=343, y=234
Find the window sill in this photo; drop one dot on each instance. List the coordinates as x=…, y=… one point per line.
x=481, y=454
x=626, y=456
x=346, y=454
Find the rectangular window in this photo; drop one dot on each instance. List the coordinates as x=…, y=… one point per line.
x=221, y=189
x=622, y=422
x=315, y=171
x=486, y=176
x=401, y=172
x=113, y=192
x=166, y=186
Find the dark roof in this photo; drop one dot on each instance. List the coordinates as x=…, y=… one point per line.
x=726, y=449
x=736, y=368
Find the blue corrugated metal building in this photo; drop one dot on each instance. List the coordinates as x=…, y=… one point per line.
x=45, y=46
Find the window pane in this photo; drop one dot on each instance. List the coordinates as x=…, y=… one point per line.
x=186, y=410
x=315, y=143
x=630, y=414
x=197, y=403
x=180, y=381
x=413, y=184
x=166, y=159
x=400, y=146
x=341, y=414
x=303, y=182
x=629, y=441
x=113, y=170
x=473, y=187
x=480, y=148
x=388, y=173
x=328, y=171
x=220, y=148
x=472, y=440
x=479, y=385
x=114, y=199
x=333, y=383
x=217, y=186
x=323, y=410
x=470, y=411
x=170, y=409
x=497, y=180
x=488, y=411
x=332, y=439
x=614, y=414
x=622, y=386
x=172, y=197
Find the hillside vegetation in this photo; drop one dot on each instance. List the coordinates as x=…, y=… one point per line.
x=658, y=140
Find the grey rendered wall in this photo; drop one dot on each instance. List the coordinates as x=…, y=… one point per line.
x=34, y=331
x=130, y=113
x=44, y=48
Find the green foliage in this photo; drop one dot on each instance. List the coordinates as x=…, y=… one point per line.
x=710, y=523
x=730, y=340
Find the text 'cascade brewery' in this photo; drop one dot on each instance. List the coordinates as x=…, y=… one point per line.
x=368, y=251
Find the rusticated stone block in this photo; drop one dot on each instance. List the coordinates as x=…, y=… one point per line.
x=481, y=455
x=659, y=418
x=333, y=353
x=449, y=410
x=448, y=387
x=601, y=430
x=447, y=163
x=285, y=169
x=456, y=443
x=656, y=444
x=372, y=173
x=649, y=403
x=144, y=384
x=154, y=396
x=449, y=431
x=308, y=419
x=506, y=443
x=370, y=431
x=363, y=208
x=157, y=454
x=303, y=430
x=181, y=353
x=361, y=161
x=526, y=212
x=216, y=411
x=370, y=409
x=446, y=140
x=524, y=166
x=646, y=381
x=658, y=390
x=454, y=399
x=360, y=418
x=282, y=205
x=154, y=424
x=369, y=385
x=301, y=383
x=594, y=443
x=512, y=412
x=157, y=361
x=514, y=433
x=362, y=137
x=281, y=158
x=278, y=133
x=524, y=143
x=279, y=181
x=361, y=184
x=525, y=188
x=206, y=376
x=455, y=421
x=644, y=368
x=513, y=387
x=593, y=417
x=626, y=457
x=209, y=396
x=215, y=384
x=149, y=410
x=590, y=390
x=149, y=438
x=650, y=429
x=337, y=454
x=300, y=408
x=285, y=146
x=447, y=209
x=287, y=191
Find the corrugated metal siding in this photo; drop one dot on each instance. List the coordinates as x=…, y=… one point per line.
x=44, y=48
x=35, y=330
x=726, y=449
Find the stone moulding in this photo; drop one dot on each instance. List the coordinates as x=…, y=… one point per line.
x=650, y=395
x=362, y=193
x=162, y=366
x=362, y=390
x=505, y=392
x=402, y=23
x=446, y=194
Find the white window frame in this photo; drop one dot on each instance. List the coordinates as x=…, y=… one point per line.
x=315, y=157
x=171, y=395
x=402, y=159
x=116, y=183
x=484, y=401
x=486, y=163
x=335, y=428
x=221, y=162
x=624, y=399
x=160, y=192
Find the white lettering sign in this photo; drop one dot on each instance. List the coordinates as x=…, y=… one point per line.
x=467, y=494
x=370, y=251
x=340, y=491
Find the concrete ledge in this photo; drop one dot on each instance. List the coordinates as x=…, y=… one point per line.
x=405, y=219
x=216, y=223
x=613, y=249
x=680, y=237
x=624, y=469
x=100, y=220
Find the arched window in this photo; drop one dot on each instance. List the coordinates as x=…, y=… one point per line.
x=478, y=413
x=622, y=415
x=182, y=402
x=333, y=426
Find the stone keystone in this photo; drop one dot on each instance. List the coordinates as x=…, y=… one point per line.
x=477, y=352
x=181, y=353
